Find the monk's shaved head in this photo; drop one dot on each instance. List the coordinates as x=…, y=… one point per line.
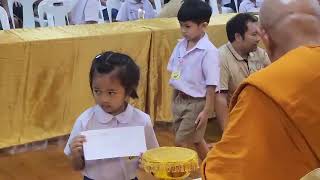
x=288, y=24
x=273, y=11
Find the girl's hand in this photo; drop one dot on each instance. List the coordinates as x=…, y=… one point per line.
x=140, y=161
x=76, y=146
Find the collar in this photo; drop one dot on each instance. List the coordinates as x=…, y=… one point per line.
x=203, y=44
x=105, y=118
x=234, y=52
x=237, y=56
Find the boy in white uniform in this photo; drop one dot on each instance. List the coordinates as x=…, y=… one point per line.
x=194, y=67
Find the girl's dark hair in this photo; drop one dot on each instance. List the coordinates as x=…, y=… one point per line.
x=127, y=70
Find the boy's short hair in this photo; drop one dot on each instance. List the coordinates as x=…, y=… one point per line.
x=238, y=24
x=196, y=11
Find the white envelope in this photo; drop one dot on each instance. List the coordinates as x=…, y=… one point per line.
x=114, y=143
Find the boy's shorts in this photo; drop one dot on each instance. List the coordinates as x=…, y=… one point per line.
x=185, y=112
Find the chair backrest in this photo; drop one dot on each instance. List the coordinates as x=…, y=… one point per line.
x=112, y=4
x=158, y=5
x=41, y=14
x=237, y=5
x=214, y=7
x=28, y=14
x=4, y=19
x=226, y=10
x=101, y=8
x=56, y=11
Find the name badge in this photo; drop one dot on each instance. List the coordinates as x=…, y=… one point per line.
x=176, y=75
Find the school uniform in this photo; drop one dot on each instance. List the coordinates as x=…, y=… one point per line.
x=191, y=72
x=117, y=168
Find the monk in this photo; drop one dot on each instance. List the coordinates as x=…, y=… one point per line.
x=273, y=131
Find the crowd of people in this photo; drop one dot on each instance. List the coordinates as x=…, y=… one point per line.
x=89, y=11
x=225, y=6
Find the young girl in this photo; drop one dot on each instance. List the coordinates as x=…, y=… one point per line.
x=114, y=78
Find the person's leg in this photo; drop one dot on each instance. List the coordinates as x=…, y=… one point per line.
x=198, y=140
x=186, y=112
x=185, y=130
x=177, y=109
x=18, y=15
x=105, y=14
x=202, y=149
x=114, y=14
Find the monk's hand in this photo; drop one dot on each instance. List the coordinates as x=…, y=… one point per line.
x=202, y=119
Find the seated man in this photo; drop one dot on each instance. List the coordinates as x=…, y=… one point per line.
x=239, y=58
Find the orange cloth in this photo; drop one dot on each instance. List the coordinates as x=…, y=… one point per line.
x=273, y=131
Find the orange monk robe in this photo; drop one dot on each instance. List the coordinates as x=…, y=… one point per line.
x=273, y=132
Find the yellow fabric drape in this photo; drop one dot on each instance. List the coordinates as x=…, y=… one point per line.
x=44, y=76
x=44, y=72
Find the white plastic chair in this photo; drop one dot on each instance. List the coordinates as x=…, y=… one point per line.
x=237, y=6
x=56, y=11
x=158, y=4
x=41, y=20
x=214, y=7
x=28, y=15
x=225, y=10
x=4, y=19
x=101, y=8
